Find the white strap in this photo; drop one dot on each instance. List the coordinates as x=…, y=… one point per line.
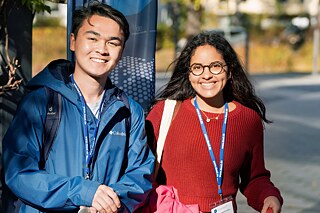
x=164, y=127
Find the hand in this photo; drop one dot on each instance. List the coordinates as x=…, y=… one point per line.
x=105, y=200
x=271, y=205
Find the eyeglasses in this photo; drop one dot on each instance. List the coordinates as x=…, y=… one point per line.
x=215, y=68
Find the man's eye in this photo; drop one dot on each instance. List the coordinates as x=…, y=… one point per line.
x=92, y=39
x=115, y=44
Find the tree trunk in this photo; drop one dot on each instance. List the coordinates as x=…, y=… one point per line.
x=193, y=23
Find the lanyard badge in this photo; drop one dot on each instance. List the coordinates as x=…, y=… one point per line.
x=89, y=149
x=227, y=202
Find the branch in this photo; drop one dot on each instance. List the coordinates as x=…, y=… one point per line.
x=12, y=65
x=12, y=83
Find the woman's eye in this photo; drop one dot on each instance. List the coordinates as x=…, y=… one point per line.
x=216, y=65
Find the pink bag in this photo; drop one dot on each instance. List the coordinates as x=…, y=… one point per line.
x=164, y=199
x=168, y=201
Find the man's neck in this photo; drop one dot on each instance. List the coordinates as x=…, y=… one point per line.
x=91, y=88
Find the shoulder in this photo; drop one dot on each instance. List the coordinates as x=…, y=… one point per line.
x=246, y=115
x=240, y=108
x=31, y=110
x=35, y=99
x=134, y=106
x=156, y=110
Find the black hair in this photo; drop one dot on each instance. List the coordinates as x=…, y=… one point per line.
x=97, y=8
x=237, y=88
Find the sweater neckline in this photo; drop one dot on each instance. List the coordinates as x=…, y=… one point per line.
x=189, y=106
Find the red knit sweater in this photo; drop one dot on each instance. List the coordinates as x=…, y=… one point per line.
x=186, y=163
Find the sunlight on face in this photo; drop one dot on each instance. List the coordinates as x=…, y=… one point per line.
x=208, y=85
x=98, y=46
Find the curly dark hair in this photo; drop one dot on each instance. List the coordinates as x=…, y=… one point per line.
x=237, y=88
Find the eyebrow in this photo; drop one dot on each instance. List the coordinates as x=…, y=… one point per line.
x=98, y=34
x=219, y=62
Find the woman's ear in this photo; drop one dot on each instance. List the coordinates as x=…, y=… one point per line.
x=229, y=75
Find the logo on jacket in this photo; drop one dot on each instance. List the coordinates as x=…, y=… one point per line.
x=117, y=133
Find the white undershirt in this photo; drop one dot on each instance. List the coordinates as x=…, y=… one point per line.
x=94, y=107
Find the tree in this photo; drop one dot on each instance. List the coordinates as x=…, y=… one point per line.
x=9, y=80
x=186, y=16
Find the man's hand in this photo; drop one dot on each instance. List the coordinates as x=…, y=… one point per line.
x=105, y=200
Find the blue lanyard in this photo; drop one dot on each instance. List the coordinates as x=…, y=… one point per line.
x=223, y=137
x=89, y=149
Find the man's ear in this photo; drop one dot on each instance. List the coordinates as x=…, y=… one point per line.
x=72, y=41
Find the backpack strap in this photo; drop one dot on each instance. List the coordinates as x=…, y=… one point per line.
x=51, y=125
x=170, y=110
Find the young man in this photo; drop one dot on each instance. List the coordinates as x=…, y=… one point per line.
x=95, y=161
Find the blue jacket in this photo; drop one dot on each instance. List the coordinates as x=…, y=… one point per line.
x=122, y=162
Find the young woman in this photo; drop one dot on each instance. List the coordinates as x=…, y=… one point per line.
x=215, y=143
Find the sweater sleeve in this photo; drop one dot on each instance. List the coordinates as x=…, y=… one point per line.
x=255, y=178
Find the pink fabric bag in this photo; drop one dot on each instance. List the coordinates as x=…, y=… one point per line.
x=168, y=201
x=165, y=199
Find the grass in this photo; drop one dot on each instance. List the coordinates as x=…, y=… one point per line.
x=49, y=43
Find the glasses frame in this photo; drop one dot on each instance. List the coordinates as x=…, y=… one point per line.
x=210, y=65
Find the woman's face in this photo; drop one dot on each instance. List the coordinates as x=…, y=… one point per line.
x=208, y=85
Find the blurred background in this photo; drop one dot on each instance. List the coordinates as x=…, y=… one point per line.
x=277, y=40
x=270, y=36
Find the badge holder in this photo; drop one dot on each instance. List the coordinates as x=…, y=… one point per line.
x=223, y=206
x=84, y=210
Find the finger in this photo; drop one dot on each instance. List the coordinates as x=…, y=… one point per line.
x=111, y=193
x=269, y=210
x=97, y=204
x=102, y=204
x=93, y=210
x=264, y=208
x=106, y=199
x=109, y=204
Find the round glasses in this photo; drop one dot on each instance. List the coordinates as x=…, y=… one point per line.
x=215, y=68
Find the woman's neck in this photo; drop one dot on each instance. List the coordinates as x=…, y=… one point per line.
x=213, y=105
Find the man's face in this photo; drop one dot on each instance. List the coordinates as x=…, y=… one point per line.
x=98, y=46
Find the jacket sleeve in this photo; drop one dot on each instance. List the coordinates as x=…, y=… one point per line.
x=21, y=155
x=135, y=184
x=255, y=178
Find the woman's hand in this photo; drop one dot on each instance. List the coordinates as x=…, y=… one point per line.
x=271, y=205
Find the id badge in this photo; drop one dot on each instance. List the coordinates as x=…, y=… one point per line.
x=84, y=210
x=223, y=206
